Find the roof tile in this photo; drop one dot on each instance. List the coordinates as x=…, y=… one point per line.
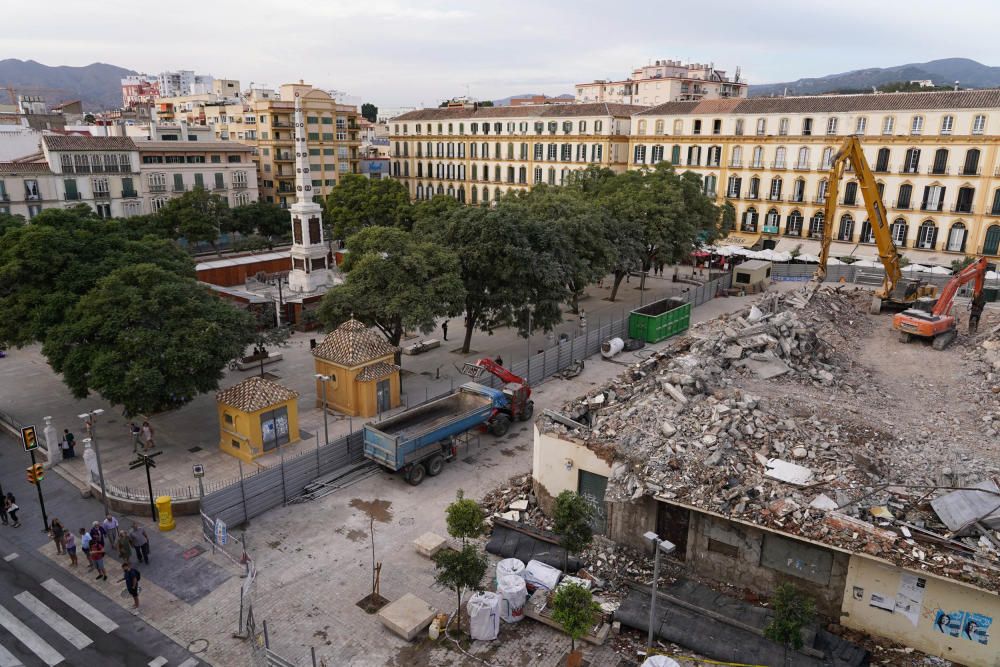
x=55, y=142
x=530, y=110
x=255, y=393
x=352, y=344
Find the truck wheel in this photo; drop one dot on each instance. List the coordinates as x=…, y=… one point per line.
x=905, y=337
x=416, y=475
x=435, y=465
x=876, y=306
x=501, y=425
x=529, y=409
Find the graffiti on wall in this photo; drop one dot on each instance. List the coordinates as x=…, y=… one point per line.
x=963, y=624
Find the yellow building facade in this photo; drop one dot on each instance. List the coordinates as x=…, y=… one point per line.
x=935, y=157
x=363, y=380
x=256, y=416
x=477, y=154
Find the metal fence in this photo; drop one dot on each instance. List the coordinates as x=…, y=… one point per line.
x=860, y=275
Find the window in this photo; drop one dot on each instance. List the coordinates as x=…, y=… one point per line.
x=199, y=181
x=992, y=244
x=714, y=156
x=510, y=151
x=851, y=193
x=733, y=186
x=911, y=163
x=783, y=127
x=553, y=152
x=831, y=125
x=694, y=156
x=553, y=127
x=861, y=125
x=882, y=160
x=659, y=127
x=697, y=127
x=940, y=165
x=846, y=231
x=595, y=152
x=675, y=154
x=821, y=191
x=711, y=185
x=749, y=222
x=888, y=123
x=736, y=159
x=657, y=154
x=816, y=225
x=947, y=122
x=678, y=127
x=993, y=211
x=523, y=152
x=552, y=175
x=567, y=126
x=978, y=124
x=642, y=127
x=761, y=126
x=827, y=160
x=803, y=161
x=799, y=190
x=917, y=125
x=566, y=152
x=771, y=221
x=497, y=128
x=157, y=182
x=964, y=202
x=905, y=195
x=754, y=191
x=598, y=124
x=898, y=232
x=539, y=151
x=866, y=233
x=793, y=225
x=807, y=126
x=538, y=175
x=717, y=126
x=758, y=157
x=738, y=131
x=927, y=235
x=779, y=157
x=971, y=166
x=775, y=193
x=933, y=198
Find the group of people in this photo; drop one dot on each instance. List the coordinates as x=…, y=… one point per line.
x=141, y=434
x=132, y=547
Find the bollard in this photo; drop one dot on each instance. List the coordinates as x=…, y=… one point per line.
x=165, y=513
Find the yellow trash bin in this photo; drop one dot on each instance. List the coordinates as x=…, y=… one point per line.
x=166, y=513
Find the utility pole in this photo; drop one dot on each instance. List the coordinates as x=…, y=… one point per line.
x=35, y=473
x=147, y=461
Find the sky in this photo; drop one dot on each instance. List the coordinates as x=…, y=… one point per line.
x=404, y=54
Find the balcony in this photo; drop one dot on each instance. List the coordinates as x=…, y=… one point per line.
x=736, y=165
x=903, y=205
x=73, y=196
x=753, y=195
x=4, y=196
x=803, y=167
x=284, y=157
x=942, y=171
x=962, y=208
x=821, y=199
x=779, y=165
x=934, y=208
x=972, y=172
x=157, y=187
x=770, y=229
x=909, y=170
x=131, y=194
x=179, y=188
x=102, y=194
x=794, y=232
x=774, y=198
x=282, y=124
x=239, y=185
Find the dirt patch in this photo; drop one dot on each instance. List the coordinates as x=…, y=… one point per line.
x=508, y=452
x=376, y=509
x=357, y=535
x=372, y=602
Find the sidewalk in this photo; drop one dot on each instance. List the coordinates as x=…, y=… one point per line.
x=30, y=390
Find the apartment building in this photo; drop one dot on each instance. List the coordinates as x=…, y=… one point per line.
x=934, y=155
x=478, y=154
x=665, y=81
x=119, y=177
x=183, y=82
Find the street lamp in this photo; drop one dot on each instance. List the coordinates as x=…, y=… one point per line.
x=89, y=422
x=666, y=547
x=323, y=379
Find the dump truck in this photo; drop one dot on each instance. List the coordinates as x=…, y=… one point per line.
x=418, y=441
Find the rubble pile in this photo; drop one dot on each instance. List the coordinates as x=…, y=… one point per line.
x=514, y=501
x=986, y=356
x=679, y=426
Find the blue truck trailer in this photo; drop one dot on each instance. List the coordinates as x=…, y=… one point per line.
x=418, y=441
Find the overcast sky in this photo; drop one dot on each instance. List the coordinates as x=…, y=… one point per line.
x=398, y=53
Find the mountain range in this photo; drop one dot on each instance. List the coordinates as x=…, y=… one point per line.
x=944, y=72
x=97, y=85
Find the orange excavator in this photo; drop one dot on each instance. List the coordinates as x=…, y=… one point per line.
x=935, y=320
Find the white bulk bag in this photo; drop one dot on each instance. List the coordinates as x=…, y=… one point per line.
x=484, y=616
x=509, y=566
x=513, y=594
x=539, y=575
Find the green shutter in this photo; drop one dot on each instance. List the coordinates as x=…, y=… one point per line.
x=178, y=183
x=199, y=180
x=71, y=192
x=219, y=182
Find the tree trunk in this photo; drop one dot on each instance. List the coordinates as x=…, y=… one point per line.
x=619, y=277
x=574, y=301
x=458, y=616
x=470, y=326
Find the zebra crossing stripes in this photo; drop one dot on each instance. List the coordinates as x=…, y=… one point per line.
x=75, y=601
x=9, y=557
x=63, y=627
x=8, y=660
x=159, y=661
x=27, y=636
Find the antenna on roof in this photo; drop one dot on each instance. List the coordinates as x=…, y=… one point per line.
x=956, y=85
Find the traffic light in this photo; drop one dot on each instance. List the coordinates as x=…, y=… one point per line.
x=28, y=438
x=35, y=473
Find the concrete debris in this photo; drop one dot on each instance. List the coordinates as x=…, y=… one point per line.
x=682, y=425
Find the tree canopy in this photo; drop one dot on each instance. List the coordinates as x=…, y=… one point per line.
x=147, y=339
x=369, y=111
x=357, y=202
x=395, y=281
x=268, y=221
x=464, y=518
x=571, y=522
x=197, y=215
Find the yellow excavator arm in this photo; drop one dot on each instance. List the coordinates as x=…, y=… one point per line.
x=851, y=150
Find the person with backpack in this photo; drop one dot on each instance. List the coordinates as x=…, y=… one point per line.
x=131, y=578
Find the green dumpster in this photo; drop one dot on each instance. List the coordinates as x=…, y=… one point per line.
x=991, y=294
x=659, y=320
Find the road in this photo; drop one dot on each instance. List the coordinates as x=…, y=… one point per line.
x=48, y=618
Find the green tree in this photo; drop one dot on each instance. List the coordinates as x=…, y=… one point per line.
x=47, y=266
x=486, y=103
x=792, y=611
x=959, y=264
x=146, y=339
x=370, y=112
x=464, y=518
x=506, y=273
x=571, y=518
x=575, y=610
x=261, y=218
x=394, y=281
x=266, y=334
x=460, y=571
x=357, y=202
x=429, y=211
x=197, y=216
x=8, y=221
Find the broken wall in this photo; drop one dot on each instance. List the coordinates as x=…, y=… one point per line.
x=938, y=616
x=556, y=464
x=759, y=560
x=629, y=521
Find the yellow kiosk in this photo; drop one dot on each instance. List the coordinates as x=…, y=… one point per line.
x=256, y=416
x=364, y=381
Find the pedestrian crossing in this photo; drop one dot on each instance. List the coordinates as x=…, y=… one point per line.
x=40, y=631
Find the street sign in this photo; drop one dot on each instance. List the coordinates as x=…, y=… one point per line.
x=198, y=469
x=221, y=533
x=28, y=438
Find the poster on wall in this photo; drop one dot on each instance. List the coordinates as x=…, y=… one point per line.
x=948, y=622
x=964, y=624
x=882, y=601
x=910, y=597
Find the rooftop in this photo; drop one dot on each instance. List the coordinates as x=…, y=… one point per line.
x=55, y=142
x=352, y=344
x=255, y=393
x=528, y=110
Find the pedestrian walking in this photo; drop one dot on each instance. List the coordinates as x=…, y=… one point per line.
x=140, y=541
x=70, y=441
x=3, y=509
x=97, y=558
x=444, y=329
x=124, y=546
x=85, y=547
x=136, y=433
x=146, y=433
x=110, y=526
x=69, y=544
x=11, y=506
x=57, y=532
x=131, y=578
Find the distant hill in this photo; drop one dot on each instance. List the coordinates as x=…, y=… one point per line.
x=969, y=74
x=505, y=102
x=98, y=85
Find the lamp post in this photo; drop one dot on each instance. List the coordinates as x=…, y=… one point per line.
x=323, y=379
x=90, y=424
x=658, y=546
